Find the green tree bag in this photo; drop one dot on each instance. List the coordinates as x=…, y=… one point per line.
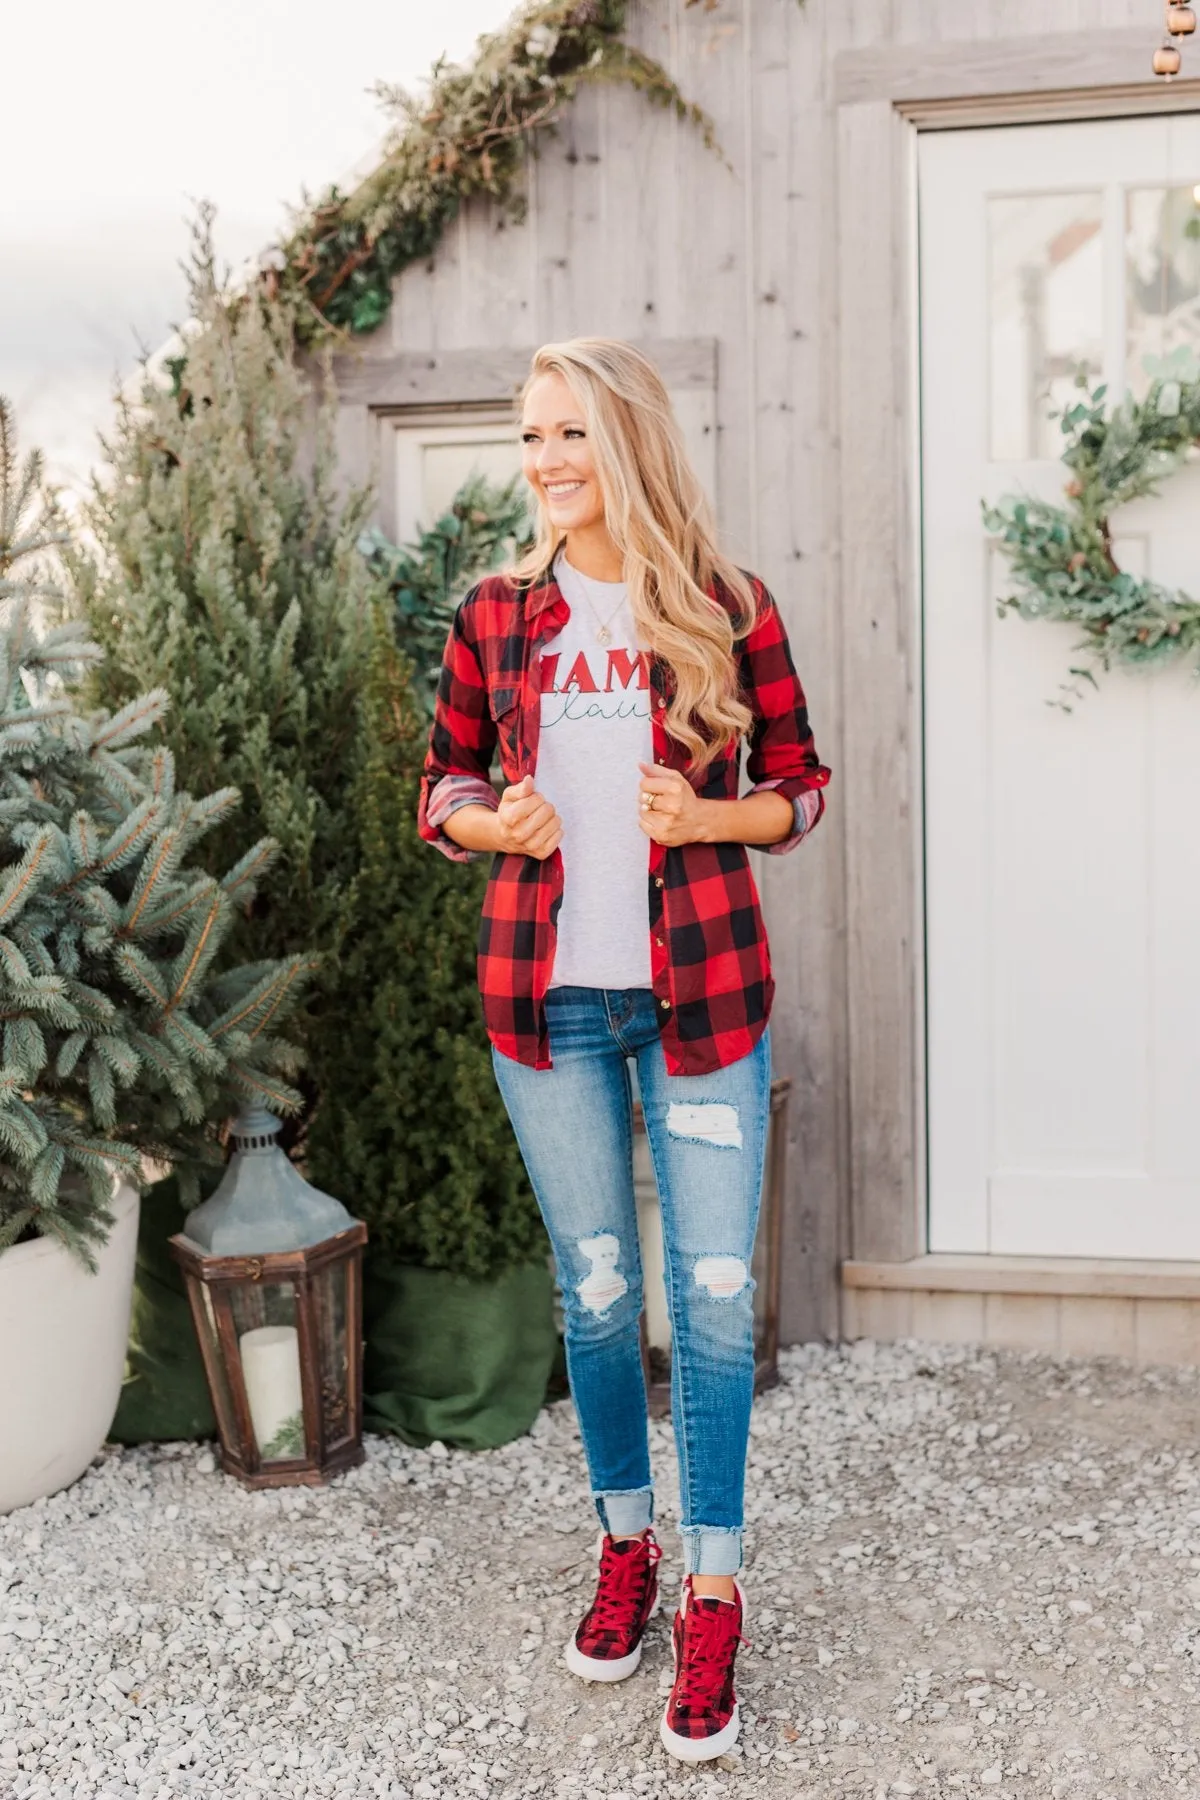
x=164, y=1395
x=454, y=1358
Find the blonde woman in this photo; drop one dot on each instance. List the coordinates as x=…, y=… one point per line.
x=616, y=671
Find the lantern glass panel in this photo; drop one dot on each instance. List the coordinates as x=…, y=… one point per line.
x=330, y=1307
x=214, y=1363
x=265, y=1319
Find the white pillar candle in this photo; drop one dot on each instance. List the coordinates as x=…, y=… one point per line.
x=271, y=1367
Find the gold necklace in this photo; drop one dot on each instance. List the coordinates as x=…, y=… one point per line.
x=603, y=634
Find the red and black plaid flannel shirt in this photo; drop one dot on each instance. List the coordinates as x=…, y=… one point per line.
x=709, y=960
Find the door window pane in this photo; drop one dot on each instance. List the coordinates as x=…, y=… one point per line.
x=432, y=460
x=1046, y=295
x=1162, y=275
x=330, y=1307
x=448, y=465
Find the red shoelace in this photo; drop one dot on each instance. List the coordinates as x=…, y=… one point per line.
x=710, y=1638
x=622, y=1584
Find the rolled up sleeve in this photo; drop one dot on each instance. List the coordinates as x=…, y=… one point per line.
x=461, y=743
x=781, y=753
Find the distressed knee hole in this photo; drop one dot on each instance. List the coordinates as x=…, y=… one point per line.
x=715, y=1122
x=604, y=1284
x=721, y=1276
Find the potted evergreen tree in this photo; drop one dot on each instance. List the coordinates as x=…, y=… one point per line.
x=119, y=1041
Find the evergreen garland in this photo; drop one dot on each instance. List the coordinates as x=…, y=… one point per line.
x=120, y=1038
x=468, y=133
x=1061, y=555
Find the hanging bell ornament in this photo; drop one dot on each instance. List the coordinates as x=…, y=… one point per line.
x=1167, y=60
x=1181, y=21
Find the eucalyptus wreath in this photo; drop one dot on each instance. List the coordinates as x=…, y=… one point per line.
x=1061, y=556
x=467, y=132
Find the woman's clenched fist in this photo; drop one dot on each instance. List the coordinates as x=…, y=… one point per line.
x=677, y=814
x=527, y=823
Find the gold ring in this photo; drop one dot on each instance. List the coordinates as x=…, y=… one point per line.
x=647, y=802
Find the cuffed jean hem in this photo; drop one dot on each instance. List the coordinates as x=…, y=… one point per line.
x=626, y=1513
x=711, y=1550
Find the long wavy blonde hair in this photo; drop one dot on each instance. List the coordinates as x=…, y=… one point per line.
x=659, y=518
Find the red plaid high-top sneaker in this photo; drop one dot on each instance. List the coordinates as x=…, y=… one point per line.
x=607, y=1644
x=701, y=1720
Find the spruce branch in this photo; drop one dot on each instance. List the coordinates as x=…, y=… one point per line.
x=109, y=937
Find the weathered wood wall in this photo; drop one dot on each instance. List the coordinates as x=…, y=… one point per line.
x=794, y=252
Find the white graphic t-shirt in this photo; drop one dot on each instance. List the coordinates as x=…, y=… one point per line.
x=595, y=729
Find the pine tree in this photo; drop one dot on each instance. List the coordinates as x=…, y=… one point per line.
x=483, y=526
x=120, y=1038
x=225, y=568
x=410, y=1121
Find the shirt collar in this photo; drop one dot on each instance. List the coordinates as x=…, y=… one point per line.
x=542, y=592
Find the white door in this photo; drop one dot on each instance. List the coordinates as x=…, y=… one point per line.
x=1062, y=849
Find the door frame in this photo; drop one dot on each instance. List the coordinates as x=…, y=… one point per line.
x=883, y=97
x=399, y=434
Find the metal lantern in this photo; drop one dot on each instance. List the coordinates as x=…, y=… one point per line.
x=1180, y=22
x=767, y=1268
x=273, y=1269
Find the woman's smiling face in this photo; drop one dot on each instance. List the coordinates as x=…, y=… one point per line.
x=556, y=456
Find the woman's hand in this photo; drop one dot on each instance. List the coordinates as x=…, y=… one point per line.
x=526, y=823
x=677, y=814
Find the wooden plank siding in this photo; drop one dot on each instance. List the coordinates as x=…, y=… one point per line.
x=793, y=253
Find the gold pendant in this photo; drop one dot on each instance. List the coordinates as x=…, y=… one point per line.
x=604, y=635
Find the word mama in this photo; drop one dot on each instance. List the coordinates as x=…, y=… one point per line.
x=620, y=667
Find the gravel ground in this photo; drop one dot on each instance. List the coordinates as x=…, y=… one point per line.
x=968, y=1573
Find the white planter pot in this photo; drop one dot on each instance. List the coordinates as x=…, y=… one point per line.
x=63, y=1334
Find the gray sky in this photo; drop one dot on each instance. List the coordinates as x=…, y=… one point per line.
x=117, y=119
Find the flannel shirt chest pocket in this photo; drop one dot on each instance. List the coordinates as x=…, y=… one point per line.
x=504, y=705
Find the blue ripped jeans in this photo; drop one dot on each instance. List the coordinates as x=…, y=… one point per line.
x=707, y=1136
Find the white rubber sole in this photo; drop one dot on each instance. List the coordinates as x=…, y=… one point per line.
x=594, y=1668
x=698, y=1750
